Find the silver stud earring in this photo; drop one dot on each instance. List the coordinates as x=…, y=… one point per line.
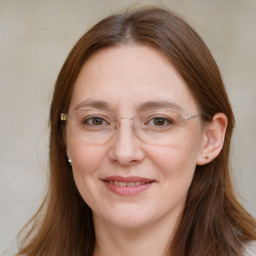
x=70, y=161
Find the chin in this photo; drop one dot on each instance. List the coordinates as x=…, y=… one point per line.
x=125, y=219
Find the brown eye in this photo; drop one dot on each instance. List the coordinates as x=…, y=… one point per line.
x=94, y=121
x=159, y=121
x=97, y=121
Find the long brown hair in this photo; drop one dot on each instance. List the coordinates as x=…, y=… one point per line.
x=212, y=222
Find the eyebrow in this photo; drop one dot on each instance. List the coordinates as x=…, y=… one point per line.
x=159, y=105
x=149, y=105
x=92, y=103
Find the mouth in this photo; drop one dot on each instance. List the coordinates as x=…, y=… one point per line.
x=127, y=186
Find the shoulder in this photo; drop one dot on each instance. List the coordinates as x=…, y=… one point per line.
x=250, y=249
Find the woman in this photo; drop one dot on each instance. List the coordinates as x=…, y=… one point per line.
x=139, y=148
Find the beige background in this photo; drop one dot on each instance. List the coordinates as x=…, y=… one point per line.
x=35, y=38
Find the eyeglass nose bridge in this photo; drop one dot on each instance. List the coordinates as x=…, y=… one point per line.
x=128, y=118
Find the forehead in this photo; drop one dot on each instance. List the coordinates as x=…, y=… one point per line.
x=130, y=75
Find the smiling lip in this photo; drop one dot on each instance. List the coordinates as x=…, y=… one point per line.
x=126, y=186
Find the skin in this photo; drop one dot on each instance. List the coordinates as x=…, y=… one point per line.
x=125, y=77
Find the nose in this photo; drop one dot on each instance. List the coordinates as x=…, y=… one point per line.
x=126, y=149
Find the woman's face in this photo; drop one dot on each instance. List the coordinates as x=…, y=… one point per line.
x=110, y=176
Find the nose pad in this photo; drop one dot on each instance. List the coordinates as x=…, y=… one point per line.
x=116, y=126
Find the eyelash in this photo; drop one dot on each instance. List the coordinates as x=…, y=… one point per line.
x=90, y=119
x=167, y=121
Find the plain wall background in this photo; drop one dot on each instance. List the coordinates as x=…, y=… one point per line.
x=35, y=38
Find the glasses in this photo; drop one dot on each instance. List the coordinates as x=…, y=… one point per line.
x=158, y=127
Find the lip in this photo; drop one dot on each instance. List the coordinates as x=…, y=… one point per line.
x=116, y=184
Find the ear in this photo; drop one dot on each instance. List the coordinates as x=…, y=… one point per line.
x=213, y=139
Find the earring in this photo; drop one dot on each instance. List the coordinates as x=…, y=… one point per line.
x=70, y=161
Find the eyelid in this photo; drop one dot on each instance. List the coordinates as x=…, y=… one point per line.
x=159, y=113
x=96, y=112
x=167, y=119
x=104, y=118
x=156, y=113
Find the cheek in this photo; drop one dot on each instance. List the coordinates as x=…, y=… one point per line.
x=176, y=162
x=85, y=158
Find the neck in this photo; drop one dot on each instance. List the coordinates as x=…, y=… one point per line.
x=152, y=240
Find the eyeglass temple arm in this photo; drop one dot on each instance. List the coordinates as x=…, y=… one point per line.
x=191, y=117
